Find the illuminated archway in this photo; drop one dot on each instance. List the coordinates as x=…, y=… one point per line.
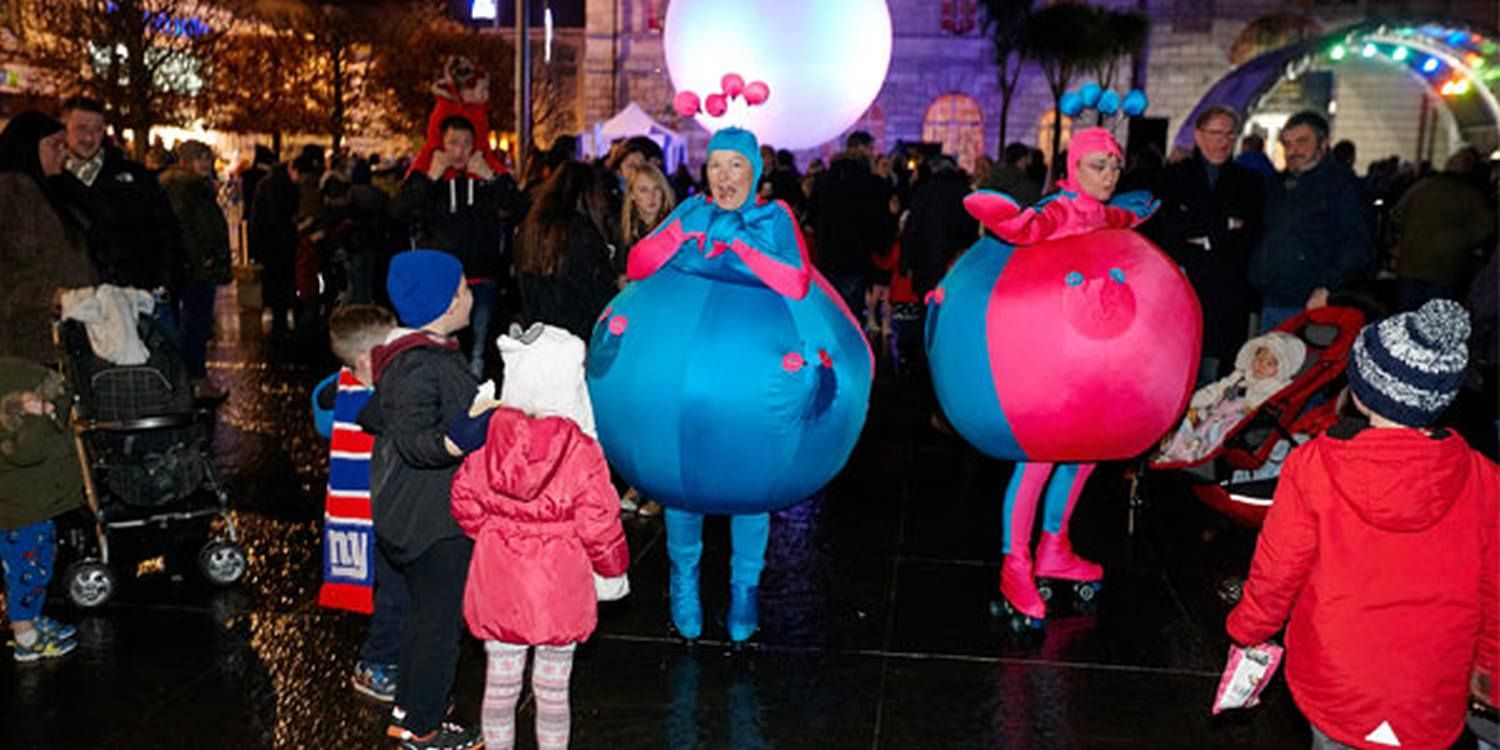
x=1458, y=65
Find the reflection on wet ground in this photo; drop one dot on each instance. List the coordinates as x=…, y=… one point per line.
x=875, y=633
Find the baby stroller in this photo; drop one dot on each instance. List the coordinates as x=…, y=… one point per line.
x=1237, y=478
x=145, y=458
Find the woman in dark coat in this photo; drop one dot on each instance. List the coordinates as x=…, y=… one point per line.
x=562, y=257
x=42, y=250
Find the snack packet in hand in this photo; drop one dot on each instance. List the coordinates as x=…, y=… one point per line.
x=484, y=399
x=1248, y=672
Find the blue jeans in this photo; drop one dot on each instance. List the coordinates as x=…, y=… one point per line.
x=196, y=324
x=27, y=554
x=486, y=294
x=1274, y=315
x=383, y=642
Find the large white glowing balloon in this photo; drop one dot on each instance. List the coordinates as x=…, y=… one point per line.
x=825, y=60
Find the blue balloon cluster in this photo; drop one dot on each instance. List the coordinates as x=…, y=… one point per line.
x=1106, y=102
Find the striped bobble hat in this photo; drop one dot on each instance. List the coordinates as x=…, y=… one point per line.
x=1408, y=367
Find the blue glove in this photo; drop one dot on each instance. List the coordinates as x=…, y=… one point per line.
x=469, y=433
x=1138, y=202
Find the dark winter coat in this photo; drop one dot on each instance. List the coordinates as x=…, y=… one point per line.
x=1317, y=235
x=272, y=232
x=851, y=217
x=1211, y=233
x=205, y=231
x=40, y=252
x=1009, y=179
x=40, y=477
x=1380, y=548
x=422, y=383
x=459, y=215
x=583, y=284
x=1441, y=221
x=133, y=235
x=937, y=229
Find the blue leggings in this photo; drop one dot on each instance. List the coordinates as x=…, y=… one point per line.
x=28, y=554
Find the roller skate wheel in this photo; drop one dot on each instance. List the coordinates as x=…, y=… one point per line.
x=1044, y=590
x=1086, y=591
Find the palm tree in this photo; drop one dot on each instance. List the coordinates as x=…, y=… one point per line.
x=1064, y=40
x=1005, y=22
x=1067, y=39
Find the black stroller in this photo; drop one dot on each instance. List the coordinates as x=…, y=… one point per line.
x=145, y=458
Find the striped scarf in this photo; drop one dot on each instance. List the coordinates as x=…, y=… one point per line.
x=348, y=532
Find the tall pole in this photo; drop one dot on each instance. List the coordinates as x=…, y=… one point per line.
x=523, y=86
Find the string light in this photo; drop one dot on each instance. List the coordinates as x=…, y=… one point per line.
x=1399, y=54
x=1368, y=51
x=1430, y=66
x=1338, y=52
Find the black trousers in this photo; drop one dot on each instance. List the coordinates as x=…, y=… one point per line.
x=432, y=634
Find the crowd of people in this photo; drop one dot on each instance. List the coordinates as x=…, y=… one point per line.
x=448, y=504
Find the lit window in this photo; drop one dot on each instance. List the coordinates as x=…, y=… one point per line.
x=955, y=121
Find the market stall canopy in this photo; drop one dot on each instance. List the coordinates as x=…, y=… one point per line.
x=633, y=121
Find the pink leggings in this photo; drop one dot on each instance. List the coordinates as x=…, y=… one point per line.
x=505, y=672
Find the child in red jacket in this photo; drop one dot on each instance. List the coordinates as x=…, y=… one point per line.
x=545, y=520
x=1381, y=546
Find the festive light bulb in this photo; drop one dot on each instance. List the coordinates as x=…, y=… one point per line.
x=1430, y=65
x=1338, y=52
x=1400, y=54
x=1368, y=51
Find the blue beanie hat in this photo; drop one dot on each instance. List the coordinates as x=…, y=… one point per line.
x=422, y=284
x=743, y=142
x=1408, y=367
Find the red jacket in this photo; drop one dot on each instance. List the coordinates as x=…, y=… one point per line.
x=1381, y=547
x=544, y=517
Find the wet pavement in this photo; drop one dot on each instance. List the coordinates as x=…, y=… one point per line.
x=875, y=632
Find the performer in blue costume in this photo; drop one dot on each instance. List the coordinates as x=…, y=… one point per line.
x=728, y=377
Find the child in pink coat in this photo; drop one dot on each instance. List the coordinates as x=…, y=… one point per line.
x=545, y=520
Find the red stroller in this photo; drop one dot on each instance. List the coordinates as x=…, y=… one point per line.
x=1329, y=334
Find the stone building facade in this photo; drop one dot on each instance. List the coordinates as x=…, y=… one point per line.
x=942, y=83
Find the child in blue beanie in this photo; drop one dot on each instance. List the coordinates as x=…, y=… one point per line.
x=421, y=418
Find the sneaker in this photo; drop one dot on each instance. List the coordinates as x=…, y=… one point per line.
x=649, y=509
x=448, y=736
x=46, y=647
x=59, y=630
x=375, y=681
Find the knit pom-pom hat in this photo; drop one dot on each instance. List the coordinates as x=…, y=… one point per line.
x=1408, y=367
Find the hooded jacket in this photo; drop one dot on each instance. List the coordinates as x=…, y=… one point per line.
x=422, y=382
x=1381, y=546
x=459, y=214
x=544, y=517
x=39, y=474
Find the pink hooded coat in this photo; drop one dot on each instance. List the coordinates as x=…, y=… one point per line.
x=544, y=517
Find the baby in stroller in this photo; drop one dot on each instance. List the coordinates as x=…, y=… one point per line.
x=1264, y=365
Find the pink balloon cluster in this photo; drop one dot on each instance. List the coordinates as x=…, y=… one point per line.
x=731, y=85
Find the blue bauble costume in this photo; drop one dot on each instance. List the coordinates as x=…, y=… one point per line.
x=727, y=378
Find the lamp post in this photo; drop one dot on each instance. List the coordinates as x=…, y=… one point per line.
x=523, y=86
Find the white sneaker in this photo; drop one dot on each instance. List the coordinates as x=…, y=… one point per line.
x=628, y=501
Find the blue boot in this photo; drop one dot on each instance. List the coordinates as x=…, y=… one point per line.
x=687, y=611
x=749, y=534
x=744, y=612
x=685, y=549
